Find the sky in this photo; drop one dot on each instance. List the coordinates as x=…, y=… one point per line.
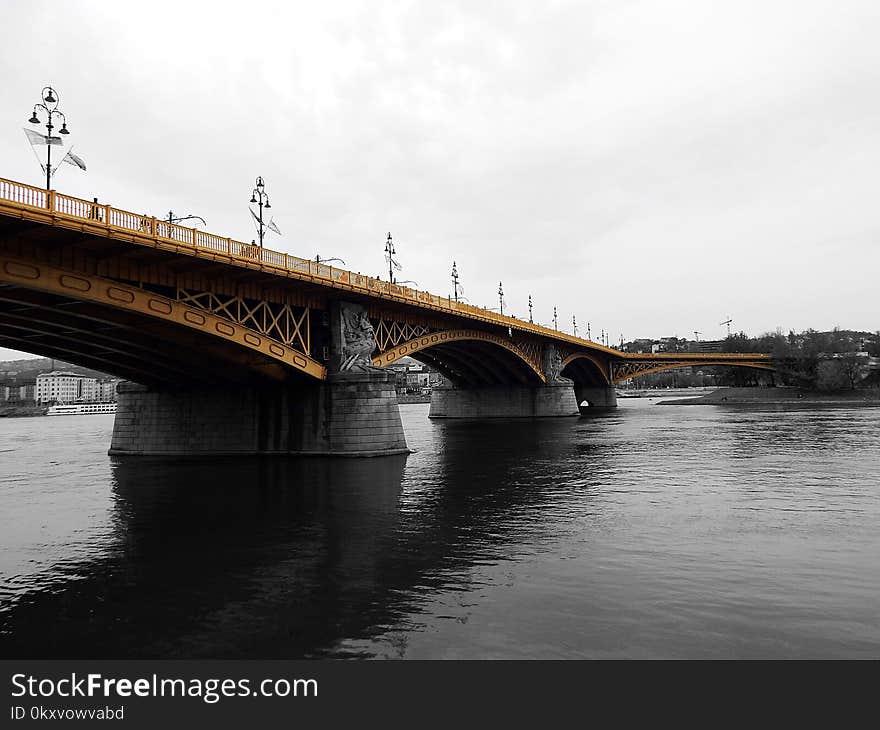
x=652, y=168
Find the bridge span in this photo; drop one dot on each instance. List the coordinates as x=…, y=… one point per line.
x=233, y=348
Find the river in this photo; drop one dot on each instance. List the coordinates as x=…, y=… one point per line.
x=650, y=532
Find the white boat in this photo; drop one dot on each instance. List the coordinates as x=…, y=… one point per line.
x=79, y=409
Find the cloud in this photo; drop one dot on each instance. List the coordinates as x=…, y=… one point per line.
x=649, y=167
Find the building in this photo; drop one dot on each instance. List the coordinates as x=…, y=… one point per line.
x=107, y=390
x=65, y=387
x=414, y=377
x=706, y=346
x=17, y=392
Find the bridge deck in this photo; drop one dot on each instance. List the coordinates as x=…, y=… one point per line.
x=51, y=208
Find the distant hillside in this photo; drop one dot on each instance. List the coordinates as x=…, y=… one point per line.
x=23, y=370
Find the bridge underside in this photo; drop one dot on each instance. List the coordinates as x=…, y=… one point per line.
x=478, y=364
x=127, y=344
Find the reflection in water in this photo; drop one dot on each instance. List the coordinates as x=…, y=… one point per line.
x=223, y=557
x=651, y=531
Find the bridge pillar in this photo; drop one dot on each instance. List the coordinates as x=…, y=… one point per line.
x=350, y=414
x=504, y=401
x=595, y=397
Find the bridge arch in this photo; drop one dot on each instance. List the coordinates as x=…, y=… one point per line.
x=469, y=357
x=132, y=332
x=585, y=368
x=625, y=371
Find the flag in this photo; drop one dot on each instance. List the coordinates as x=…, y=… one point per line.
x=270, y=225
x=393, y=263
x=72, y=159
x=37, y=138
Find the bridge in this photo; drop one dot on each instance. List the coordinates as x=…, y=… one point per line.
x=232, y=348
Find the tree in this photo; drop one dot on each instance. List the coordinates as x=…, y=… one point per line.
x=852, y=368
x=830, y=376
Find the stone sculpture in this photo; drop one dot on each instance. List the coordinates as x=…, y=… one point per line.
x=358, y=339
x=553, y=365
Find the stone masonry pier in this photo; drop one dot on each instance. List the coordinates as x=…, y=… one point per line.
x=351, y=414
x=505, y=401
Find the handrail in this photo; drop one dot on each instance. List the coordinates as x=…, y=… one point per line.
x=148, y=229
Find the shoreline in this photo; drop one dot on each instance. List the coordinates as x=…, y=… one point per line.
x=780, y=395
x=22, y=411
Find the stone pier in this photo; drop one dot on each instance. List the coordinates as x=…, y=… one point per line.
x=350, y=414
x=504, y=401
x=595, y=397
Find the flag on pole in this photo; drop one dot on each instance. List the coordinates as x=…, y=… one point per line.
x=270, y=224
x=37, y=138
x=256, y=219
x=72, y=159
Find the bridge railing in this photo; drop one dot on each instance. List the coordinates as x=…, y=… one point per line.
x=23, y=194
x=152, y=231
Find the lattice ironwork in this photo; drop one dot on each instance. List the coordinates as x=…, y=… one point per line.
x=532, y=350
x=625, y=370
x=444, y=337
x=390, y=334
x=285, y=323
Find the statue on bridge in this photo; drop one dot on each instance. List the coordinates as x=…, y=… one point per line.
x=355, y=340
x=552, y=365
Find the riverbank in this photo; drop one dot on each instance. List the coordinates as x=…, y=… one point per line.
x=405, y=398
x=778, y=396
x=664, y=392
x=15, y=411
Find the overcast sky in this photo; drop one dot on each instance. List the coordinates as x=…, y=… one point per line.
x=650, y=167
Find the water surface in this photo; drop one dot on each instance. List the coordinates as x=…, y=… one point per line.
x=654, y=531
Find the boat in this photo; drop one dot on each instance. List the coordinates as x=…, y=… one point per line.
x=80, y=409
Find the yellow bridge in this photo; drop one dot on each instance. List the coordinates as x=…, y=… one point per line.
x=175, y=308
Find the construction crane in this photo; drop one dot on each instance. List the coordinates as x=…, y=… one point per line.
x=727, y=322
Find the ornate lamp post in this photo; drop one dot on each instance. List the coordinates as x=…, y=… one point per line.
x=530, y=309
x=501, y=298
x=455, y=280
x=555, y=320
x=574, y=325
x=389, y=252
x=259, y=196
x=50, y=97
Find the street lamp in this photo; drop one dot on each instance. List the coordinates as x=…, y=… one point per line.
x=501, y=298
x=50, y=96
x=319, y=260
x=259, y=196
x=574, y=325
x=455, y=280
x=389, y=253
x=530, y=309
x=555, y=320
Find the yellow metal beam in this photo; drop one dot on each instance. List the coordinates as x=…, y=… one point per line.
x=440, y=338
x=743, y=363
x=84, y=287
